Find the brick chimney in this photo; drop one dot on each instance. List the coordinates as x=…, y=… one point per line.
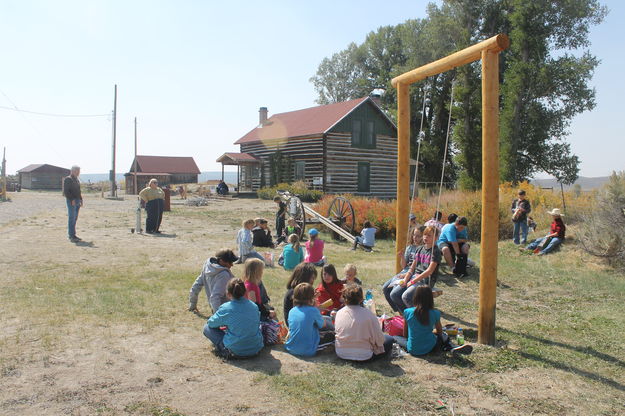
x=376, y=99
x=262, y=116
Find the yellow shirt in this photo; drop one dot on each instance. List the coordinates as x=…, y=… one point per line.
x=149, y=194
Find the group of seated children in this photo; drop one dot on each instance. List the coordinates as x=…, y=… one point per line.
x=420, y=263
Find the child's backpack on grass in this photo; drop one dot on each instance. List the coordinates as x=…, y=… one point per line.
x=394, y=326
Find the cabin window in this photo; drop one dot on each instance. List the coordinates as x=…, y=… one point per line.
x=363, y=134
x=300, y=171
x=364, y=170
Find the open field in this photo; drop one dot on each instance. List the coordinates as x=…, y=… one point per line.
x=102, y=327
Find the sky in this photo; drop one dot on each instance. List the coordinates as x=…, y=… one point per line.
x=194, y=74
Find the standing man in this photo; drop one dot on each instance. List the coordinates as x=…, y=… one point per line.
x=520, y=208
x=153, y=196
x=73, y=197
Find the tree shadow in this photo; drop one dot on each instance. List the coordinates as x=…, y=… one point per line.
x=589, y=351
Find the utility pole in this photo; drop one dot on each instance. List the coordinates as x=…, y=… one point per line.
x=135, y=163
x=4, y=175
x=112, y=174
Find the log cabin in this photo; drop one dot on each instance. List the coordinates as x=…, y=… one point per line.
x=347, y=147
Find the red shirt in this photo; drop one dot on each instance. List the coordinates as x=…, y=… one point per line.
x=333, y=292
x=557, y=226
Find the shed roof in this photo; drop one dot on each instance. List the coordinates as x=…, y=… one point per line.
x=38, y=166
x=230, y=158
x=168, y=164
x=306, y=122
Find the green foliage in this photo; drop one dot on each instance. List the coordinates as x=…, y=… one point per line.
x=281, y=167
x=543, y=84
x=297, y=188
x=603, y=228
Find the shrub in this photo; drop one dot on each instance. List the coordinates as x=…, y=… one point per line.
x=601, y=233
x=297, y=188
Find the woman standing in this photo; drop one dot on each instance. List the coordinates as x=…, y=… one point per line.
x=153, y=196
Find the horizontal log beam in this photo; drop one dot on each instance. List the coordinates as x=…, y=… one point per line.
x=473, y=53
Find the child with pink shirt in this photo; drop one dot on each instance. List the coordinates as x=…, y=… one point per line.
x=314, y=249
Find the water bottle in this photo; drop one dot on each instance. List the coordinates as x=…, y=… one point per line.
x=460, y=337
x=369, y=295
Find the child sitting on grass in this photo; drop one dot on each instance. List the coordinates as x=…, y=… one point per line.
x=350, y=271
x=292, y=254
x=366, y=238
x=330, y=289
x=314, y=249
x=419, y=321
x=244, y=241
x=242, y=336
x=291, y=228
x=305, y=321
x=303, y=273
x=252, y=276
x=358, y=333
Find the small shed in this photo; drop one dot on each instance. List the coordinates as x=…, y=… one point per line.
x=166, y=169
x=42, y=176
x=245, y=176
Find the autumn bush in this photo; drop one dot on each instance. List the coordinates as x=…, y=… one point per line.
x=381, y=213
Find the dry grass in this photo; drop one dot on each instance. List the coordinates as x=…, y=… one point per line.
x=103, y=329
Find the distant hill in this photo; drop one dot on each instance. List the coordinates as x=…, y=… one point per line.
x=587, y=184
x=230, y=177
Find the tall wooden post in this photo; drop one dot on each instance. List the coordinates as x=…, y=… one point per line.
x=403, y=171
x=3, y=193
x=112, y=174
x=136, y=191
x=490, y=197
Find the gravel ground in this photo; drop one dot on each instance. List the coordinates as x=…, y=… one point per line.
x=27, y=204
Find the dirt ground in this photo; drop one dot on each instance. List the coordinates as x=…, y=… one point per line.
x=102, y=366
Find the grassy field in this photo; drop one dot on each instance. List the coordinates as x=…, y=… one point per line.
x=102, y=328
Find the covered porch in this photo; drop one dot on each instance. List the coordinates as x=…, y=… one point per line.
x=248, y=170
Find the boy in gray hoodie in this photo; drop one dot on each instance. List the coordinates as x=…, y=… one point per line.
x=214, y=279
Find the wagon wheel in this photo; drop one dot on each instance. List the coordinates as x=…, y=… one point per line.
x=295, y=209
x=342, y=214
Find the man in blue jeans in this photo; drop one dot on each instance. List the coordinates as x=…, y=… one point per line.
x=73, y=198
x=520, y=208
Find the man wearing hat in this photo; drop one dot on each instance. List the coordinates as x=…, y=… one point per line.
x=214, y=279
x=552, y=240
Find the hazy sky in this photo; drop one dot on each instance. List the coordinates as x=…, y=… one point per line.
x=194, y=73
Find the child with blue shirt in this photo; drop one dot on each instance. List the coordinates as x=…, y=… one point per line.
x=305, y=321
x=241, y=319
x=366, y=238
x=419, y=321
x=452, y=244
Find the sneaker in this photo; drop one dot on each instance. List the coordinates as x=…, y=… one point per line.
x=541, y=254
x=462, y=349
x=74, y=239
x=77, y=238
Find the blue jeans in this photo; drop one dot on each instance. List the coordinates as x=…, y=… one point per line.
x=216, y=336
x=387, y=289
x=520, y=227
x=252, y=255
x=72, y=216
x=553, y=244
x=408, y=295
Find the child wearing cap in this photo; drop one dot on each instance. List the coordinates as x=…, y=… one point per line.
x=314, y=249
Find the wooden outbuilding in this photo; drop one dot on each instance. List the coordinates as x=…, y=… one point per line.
x=348, y=147
x=166, y=169
x=42, y=176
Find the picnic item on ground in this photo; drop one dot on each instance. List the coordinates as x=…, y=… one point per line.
x=394, y=326
x=327, y=303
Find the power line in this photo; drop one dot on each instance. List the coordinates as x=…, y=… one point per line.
x=52, y=114
x=15, y=108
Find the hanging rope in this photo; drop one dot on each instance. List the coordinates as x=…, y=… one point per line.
x=440, y=188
